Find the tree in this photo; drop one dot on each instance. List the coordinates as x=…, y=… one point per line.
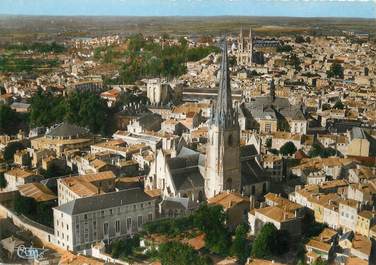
x=240, y=245
x=288, y=148
x=325, y=106
x=9, y=120
x=3, y=181
x=268, y=142
x=299, y=39
x=25, y=205
x=270, y=241
x=176, y=253
x=11, y=149
x=46, y=109
x=265, y=241
x=211, y=220
x=284, y=48
x=295, y=61
x=318, y=150
x=124, y=248
x=336, y=70
x=339, y=105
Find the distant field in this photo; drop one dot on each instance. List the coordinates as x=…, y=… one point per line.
x=25, y=28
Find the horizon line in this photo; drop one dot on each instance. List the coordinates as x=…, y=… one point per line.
x=186, y=16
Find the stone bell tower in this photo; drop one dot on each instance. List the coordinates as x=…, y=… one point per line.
x=223, y=148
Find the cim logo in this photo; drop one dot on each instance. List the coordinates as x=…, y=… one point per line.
x=30, y=253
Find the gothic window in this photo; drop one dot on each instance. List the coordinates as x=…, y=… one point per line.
x=230, y=140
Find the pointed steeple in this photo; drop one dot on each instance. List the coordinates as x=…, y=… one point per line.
x=224, y=115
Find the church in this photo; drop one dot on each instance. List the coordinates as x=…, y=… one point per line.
x=226, y=165
x=250, y=50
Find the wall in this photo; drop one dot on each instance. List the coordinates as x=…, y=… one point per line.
x=44, y=233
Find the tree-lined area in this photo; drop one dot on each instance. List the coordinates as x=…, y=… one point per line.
x=144, y=58
x=85, y=109
x=42, y=47
x=15, y=64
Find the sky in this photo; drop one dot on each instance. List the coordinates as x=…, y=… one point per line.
x=293, y=8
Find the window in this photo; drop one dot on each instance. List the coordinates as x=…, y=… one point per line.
x=110, y=211
x=85, y=216
x=117, y=226
x=139, y=221
x=105, y=228
x=268, y=127
x=102, y=213
x=67, y=227
x=94, y=225
x=230, y=140
x=134, y=207
x=150, y=217
x=129, y=223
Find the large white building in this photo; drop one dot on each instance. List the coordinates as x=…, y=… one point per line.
x=84, y=221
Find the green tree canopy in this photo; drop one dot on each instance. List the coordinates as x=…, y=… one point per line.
x=124, y=248
x=11, y=149
x=318, y=150
x=270, y=242
x=175, y=253
x=11, y=121
x=146, y=59
x=336, y=70
x=46, y=109
x=85, y=109
x=288, y=148
x=240, y=246
x=211, y=220
x=339, y=105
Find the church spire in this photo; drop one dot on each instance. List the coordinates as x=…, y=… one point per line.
x=224, y=115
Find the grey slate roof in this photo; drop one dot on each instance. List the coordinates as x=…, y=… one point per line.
x=187, y=178
x=104, y=201
x=185, y=169
x=66, y=130
x=263, y=107
x=252, y=172
x=357, y=133
x=248, y=150
x=150, y=121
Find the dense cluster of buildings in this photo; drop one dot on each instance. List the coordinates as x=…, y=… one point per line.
x=271, y=140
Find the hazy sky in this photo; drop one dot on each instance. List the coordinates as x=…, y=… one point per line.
x=299, y=8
